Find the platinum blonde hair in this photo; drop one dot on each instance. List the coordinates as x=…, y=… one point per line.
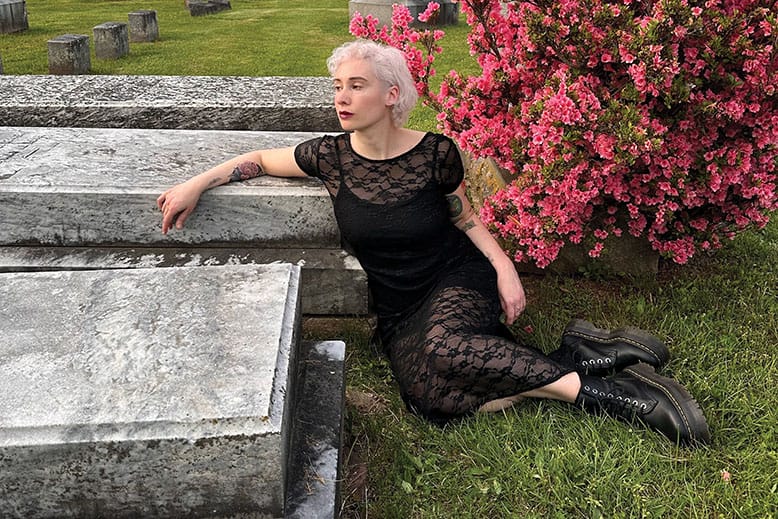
x=389, y=66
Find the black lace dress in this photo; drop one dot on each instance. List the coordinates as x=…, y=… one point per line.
x=434, y=292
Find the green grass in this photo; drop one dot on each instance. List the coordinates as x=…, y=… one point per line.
x=292, y=37
x=718, y=314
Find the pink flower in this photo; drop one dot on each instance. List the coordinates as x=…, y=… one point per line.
x=431, y=10
x=634, y=118
x=596, y=250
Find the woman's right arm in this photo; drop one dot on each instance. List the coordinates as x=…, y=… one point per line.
x=178, y=202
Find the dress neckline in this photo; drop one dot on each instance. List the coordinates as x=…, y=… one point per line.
x=395, y=157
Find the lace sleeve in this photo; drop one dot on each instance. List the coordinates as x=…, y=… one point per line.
x=306, y=154
x=450, y=171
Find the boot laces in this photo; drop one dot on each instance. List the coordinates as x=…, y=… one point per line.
x=611, y=401
x=599, y=362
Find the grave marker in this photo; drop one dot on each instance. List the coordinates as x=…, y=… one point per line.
x=143, y=26
x=69, y=54
x=111, y=40
x=13, y=16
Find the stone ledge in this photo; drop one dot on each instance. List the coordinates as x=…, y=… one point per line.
x=93, y=186
x=178, y=102
x=332, y=281
x=294, y=216
x=145, y=393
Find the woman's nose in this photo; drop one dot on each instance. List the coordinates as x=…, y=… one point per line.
x=341, y=98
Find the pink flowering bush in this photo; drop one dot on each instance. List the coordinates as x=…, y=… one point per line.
x=658, y=118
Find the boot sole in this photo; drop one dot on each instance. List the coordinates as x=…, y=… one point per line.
x=682, y=400
x=636, y=337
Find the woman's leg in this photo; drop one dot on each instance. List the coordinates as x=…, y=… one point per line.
x=565, y=389
x=455, y=357
x=455, y=361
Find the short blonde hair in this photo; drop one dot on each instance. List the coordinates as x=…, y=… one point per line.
x=389, y=66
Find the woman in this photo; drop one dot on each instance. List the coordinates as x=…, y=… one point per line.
x=439, y=280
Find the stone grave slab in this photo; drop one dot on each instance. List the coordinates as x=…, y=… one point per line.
x=271, y=103
x=90, y=186
x=147, y=392
x=332, y=282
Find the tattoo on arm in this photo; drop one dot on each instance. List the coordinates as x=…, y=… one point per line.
x=455, y=206
x=245, y=171
x=468, y=225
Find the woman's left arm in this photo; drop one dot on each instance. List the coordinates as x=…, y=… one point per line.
x=509, y=285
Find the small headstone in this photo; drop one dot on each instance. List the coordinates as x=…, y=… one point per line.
x=111, y=40
x=382, y=10
x=69, y=54
x=13, y=16
x=143, y=26
x=203, y=7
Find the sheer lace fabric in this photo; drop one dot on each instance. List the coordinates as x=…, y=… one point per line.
x=435, y=294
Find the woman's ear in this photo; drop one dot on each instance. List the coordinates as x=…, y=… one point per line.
x=392, y=95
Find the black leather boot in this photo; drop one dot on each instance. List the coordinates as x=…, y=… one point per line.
x=638, y=394
x=594, y=351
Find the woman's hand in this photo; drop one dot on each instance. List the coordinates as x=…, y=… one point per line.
x=512, y=297
x=177, y=203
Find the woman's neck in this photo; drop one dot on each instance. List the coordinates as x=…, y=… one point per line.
x=384, y=144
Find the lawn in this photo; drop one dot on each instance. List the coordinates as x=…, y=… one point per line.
x=718, y=314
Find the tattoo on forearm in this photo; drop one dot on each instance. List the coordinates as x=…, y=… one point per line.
x=455, y=206
x=245, y=171
x=468, y=225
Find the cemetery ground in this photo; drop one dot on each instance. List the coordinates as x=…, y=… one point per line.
x=718, y=315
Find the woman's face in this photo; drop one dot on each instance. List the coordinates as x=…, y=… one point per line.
x=361, y=99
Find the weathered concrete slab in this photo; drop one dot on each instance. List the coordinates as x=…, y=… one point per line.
x=147, y=392
x=83, y=186
x=177, y=102
x=332, y=281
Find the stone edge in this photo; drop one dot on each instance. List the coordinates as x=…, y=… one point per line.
x=314, y=478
